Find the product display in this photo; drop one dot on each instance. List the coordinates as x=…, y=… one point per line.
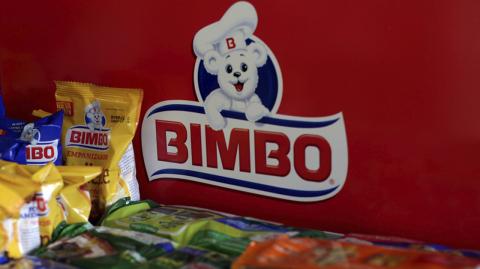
x=99, y=126
x=175, y=223
x=215, y=231
x=207, y=239
x=245, y=134
x=75, y=197
x=46, y=209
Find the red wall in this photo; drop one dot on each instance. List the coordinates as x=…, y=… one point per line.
x=406, y=75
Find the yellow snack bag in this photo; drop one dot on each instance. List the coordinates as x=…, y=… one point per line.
x=5, y=233
x=19, y=229
x=50, y=180
x=23, y=233
x=14, y=191
x=14, y=168
x=49, y=211
x=98, y=128
x=74, y=197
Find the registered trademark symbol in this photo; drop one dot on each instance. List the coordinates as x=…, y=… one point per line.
x=332, y=181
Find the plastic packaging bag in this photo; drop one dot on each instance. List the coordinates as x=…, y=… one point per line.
x=215, y=231
x=175, y=223
x=102, y=247
x=34, y=143
x=20, y=221
x=308, y=253
x=51, y=182
x=99, y=126
x=74, y=197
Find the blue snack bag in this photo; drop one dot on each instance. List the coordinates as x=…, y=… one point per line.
x=33, y=143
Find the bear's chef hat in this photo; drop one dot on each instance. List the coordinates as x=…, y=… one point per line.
x=229, y=33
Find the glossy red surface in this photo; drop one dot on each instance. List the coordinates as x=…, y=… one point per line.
x=406, y=75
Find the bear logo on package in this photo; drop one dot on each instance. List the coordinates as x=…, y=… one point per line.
x=233, y=137
x=38, y=152
x=92, y=135
x=30, y=134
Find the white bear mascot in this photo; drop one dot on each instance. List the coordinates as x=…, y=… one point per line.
x=223, y=48
x=95, y=115
x=30, y=134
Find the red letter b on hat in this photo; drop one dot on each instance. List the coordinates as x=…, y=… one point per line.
x=230, y=43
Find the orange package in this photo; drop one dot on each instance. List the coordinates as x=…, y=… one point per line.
x=307, y=253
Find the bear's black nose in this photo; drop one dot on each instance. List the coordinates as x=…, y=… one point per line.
x=237, y=74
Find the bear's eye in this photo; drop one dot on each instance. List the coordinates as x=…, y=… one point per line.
x=244, y=67
x=229, y=69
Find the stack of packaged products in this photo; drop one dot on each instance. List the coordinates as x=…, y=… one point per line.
x=68, y=170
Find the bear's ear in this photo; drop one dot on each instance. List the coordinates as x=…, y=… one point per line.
x=258, y=52
x=212, y=61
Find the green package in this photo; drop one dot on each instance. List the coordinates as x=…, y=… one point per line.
x=124, y=207
x=70, y=230
x=298, y=232
x=190, y=258
x=205, y=229
x=232, y=235
x=103, y=247
x=175, y=223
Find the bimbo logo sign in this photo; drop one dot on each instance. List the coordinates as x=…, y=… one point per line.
x=42, y=152
x=38, y=151
x=233, y=137
x=92, y=135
